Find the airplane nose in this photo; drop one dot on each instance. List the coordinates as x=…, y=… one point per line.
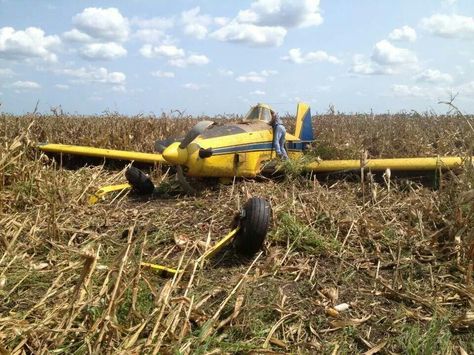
x=175, y=155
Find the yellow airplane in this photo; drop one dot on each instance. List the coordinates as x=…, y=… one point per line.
x=210, y=150
x=242, y=150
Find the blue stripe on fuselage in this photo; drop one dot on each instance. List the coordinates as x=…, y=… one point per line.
x=252, y=147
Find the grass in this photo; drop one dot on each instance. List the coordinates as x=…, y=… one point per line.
x=401, y=262
x=302, y=237
x=143, y=306
x=432, y=338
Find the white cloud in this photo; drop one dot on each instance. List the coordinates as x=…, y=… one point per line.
x=119, y=88
x=251, y=77
x=195, y=25
x=433, y=76
x=386, y=53
x=265, y=23
x=295, y=56
x=257, y=36
x=162, y=74
x=266, y=72
x=432, y=93
x=151, y=35
x=26, y=85
x=153, y=30
x=256, y=77
x=258, y=92
x=167, y=51
x=176, y=56
x=405, y=33
x=284, y=13
x=28, y=44
x=221, y=21
x=193, y=86
x=104, y=24
x=158, y=23
x=449, y=2
x=386, y=59
x=102, y=51
x=449, y=26
x=225, y=72
x=193, y=59
x=405, y=90
x=77, y=36
x=6, y=73
x=197, y=59
x=94, y=75
x=363, y=66
x=62, y=86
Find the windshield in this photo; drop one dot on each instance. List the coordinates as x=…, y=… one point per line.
x=260, y=113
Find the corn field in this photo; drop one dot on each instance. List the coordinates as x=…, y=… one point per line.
x=379, y=266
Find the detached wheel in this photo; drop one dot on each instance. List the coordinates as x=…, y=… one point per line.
x=254, y=222
x=140, y=182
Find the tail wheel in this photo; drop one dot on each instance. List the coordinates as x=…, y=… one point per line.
x=140, y=182
x=254, y=223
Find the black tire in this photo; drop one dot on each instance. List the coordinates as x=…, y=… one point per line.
x=254, y=225
x=140, y=182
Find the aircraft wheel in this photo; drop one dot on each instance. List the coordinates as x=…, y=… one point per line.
x=140, y=182
x=254, y=222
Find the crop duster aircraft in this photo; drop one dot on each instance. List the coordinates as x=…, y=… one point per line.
x=243, y=149
x=208, y=150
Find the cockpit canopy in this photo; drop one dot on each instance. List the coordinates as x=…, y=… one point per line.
x=261, y=112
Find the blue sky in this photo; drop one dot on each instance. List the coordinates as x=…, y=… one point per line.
x=217, y=57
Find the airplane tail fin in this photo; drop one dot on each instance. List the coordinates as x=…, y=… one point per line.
x=304, y=126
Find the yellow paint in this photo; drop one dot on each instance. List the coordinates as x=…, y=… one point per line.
x=400, y=164
x=99, y=194
x=165, y=269
x=207, y=255
x=175, y=155
x=239, y=163
x=102, y=153
x=219, y=245
x=233, y=163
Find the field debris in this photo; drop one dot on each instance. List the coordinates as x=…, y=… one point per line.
x=379, y=265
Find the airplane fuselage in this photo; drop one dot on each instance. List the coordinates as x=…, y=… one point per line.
x=237, y=150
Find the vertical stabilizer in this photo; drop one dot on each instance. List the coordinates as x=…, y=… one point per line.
x=304, y=126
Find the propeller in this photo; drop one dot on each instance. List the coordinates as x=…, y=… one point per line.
x=194, y=132
x=162, y=144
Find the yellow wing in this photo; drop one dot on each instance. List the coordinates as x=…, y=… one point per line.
x=399, y=164
x=102, y=153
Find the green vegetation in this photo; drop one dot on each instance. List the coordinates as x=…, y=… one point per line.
x=421, y=339
x=303, y=237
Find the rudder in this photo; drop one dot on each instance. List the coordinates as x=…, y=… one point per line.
x=304, y=127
